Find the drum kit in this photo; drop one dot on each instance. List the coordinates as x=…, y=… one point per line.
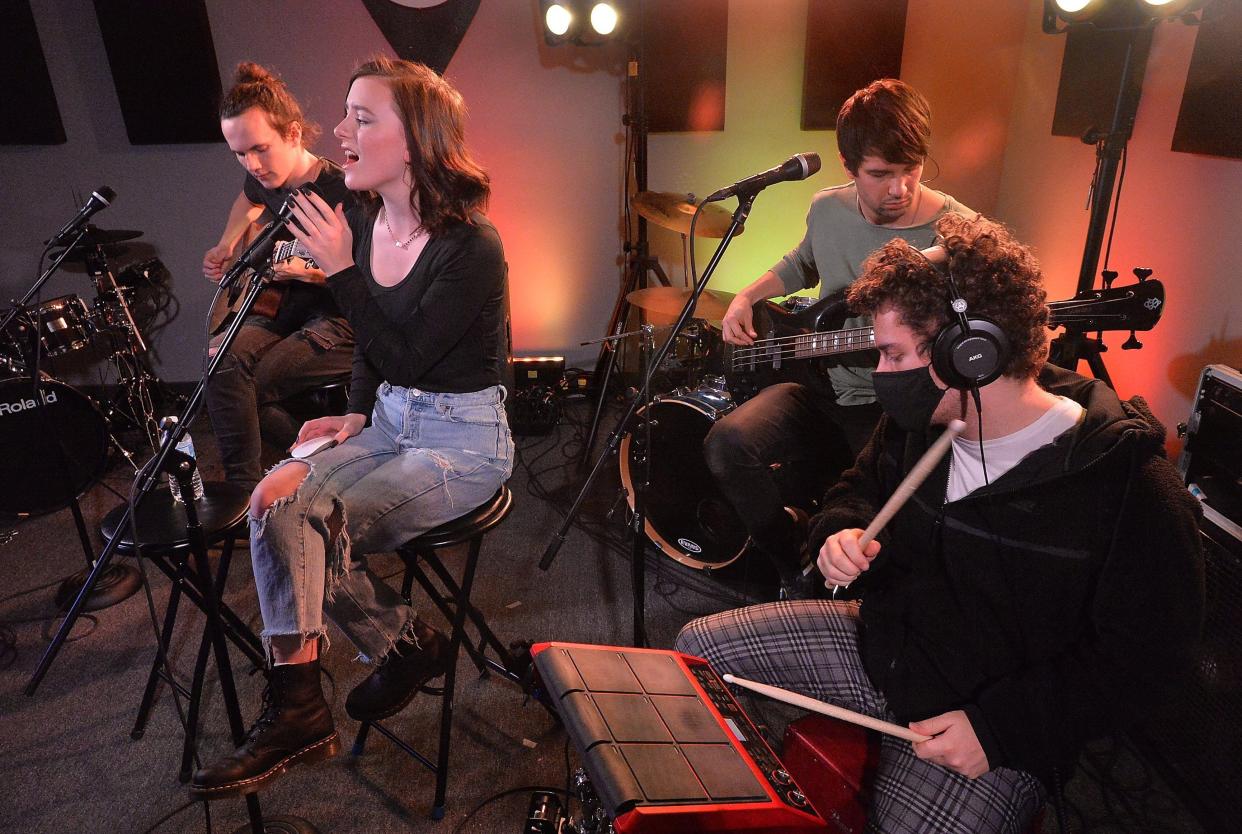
x=686, y=515
x=56, y=451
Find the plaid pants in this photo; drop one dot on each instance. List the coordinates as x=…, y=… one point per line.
x=811, y=647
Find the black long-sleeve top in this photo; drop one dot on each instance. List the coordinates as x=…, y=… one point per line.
x=439, y=329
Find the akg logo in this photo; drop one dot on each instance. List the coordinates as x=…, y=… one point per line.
x=18, y=406
x=975, y=358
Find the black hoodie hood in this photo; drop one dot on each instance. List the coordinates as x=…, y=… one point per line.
x=1110, y=426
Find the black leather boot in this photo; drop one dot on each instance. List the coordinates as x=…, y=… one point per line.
x=400, y=674
x=295, y=727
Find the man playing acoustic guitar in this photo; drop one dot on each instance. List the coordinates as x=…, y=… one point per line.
x=296, y=339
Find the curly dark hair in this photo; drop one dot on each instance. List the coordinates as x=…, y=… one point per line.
x=448, y=185
x=887, y=118
x=998, y=277
x=257, y=86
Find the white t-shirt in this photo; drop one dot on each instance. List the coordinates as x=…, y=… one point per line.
x=1004, y=453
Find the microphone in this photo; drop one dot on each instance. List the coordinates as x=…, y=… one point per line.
x=260, y=249
x=98, y=201
x=797, y=167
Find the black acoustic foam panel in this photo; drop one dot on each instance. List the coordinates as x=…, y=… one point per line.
x=430, y=36
x=684, y=53
x=1209, y=121
x=164, y=67
x=849, y=44
x=28, y=111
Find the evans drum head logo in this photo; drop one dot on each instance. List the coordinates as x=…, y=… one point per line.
x=690, y=546
x=18, y=406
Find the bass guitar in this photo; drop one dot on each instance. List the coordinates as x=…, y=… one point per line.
x=798, y=344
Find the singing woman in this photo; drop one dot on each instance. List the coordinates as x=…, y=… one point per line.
x=420, y=274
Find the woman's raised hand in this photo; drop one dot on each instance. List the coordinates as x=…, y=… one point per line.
x=324, y=232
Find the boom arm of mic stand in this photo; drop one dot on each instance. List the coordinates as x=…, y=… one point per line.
x=144, y=482
x=614, y=440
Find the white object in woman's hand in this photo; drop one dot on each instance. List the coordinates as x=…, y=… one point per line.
x=339, y=428
x=324, y=232
x=309, y=447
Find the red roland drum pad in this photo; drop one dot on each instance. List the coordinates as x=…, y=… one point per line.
x=666, y=746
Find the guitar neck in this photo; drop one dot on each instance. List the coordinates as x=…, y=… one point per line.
x=287, y=249
x=1134, y=307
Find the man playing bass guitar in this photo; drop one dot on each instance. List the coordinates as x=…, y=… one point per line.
x=883, y=133
x=296, y=339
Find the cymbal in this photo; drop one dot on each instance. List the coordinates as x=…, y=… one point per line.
x=101, y=237
x=674, y=211
x=78, y=254
x=669, y=300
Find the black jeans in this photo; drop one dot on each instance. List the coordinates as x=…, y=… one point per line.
x=787, y=430
x=263, y=368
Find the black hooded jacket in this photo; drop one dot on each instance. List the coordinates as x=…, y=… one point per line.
x=1052, y=604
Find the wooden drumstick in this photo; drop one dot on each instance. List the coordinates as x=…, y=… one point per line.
x=830, y=710
x=906, y=488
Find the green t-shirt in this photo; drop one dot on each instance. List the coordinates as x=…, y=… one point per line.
x=838, y=239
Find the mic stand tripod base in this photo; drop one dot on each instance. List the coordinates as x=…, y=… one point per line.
x=116, y=584
x=281, y=825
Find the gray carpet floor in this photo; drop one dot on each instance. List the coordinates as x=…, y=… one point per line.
x=68, y=763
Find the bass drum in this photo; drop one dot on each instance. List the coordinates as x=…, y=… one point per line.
x=51, y=448
x=687, y=516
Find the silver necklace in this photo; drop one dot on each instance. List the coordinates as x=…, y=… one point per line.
x=397, y=243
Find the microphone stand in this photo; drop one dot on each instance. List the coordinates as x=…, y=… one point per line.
x=20, y=305
x=638, y=549
x=171, y=461
x=1074, y=345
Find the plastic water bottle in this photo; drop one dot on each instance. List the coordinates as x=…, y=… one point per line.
x=185, y=446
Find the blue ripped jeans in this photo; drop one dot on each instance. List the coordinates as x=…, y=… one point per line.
x=426, y=459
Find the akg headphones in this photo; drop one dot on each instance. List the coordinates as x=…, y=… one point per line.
x=968, y=352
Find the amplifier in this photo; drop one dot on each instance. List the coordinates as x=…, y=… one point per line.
x=1211, y=460
x=538, y=372
x=665, y=745
x=1196, y=738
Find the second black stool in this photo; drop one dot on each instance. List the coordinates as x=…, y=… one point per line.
x=161, y=527
x=454, y=602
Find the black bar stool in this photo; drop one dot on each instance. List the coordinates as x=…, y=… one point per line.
x=161, y=524
x=453, y=600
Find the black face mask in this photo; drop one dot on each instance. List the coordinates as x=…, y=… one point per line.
x=909, y=398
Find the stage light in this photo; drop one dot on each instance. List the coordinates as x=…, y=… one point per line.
x=1078, y=11
x=558, y=18
x=1115, y=14
x=1164, y=9
x=604, y=18
x=581, y=22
